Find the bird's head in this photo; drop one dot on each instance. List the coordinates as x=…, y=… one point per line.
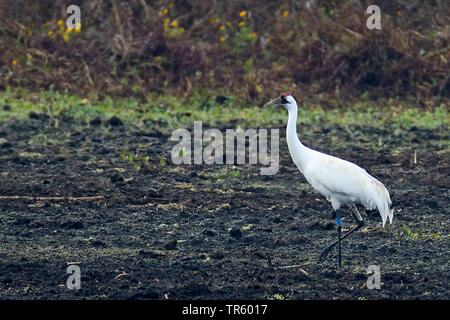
x=287, y=100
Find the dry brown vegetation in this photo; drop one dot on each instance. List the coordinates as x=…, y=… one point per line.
x=251, y=48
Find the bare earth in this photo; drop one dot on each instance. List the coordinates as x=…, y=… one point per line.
x=154, y=230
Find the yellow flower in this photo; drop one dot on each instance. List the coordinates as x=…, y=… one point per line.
x=166, y=21
x=252, y=34
x=50, y=32
x=228, y=23
x=285, y=14
x=222, y=28
x=398, y=13
x=69, y=30
x=222, y=39
x=241, y=24
x=77, y=30
x=78, y=25
x=242, y=13
x=174, y=23
x=14, y=62
x=163, y=12
x=181, y=29
x=213, y=20
x=66, y=37
x=60, y=22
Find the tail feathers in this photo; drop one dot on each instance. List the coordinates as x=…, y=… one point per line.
x=386, y=211
x=391, y=212
x=378, y=197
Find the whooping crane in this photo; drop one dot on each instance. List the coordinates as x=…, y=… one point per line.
x=340, y=181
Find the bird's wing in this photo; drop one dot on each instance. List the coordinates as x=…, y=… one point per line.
x=342, y=181
x=334, y=177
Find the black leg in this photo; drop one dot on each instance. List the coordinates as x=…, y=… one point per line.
x=339, y=228
x=355, y=213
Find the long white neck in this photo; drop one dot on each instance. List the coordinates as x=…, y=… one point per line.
x=299, y=153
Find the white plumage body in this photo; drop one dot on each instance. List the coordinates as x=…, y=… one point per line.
x=340, y=181
x=343, y=182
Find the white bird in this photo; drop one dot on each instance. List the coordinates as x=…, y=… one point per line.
x=340, y=181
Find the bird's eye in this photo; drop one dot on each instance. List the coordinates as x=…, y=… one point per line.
x=284, y=100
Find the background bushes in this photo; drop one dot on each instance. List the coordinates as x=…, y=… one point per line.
x=322, y=49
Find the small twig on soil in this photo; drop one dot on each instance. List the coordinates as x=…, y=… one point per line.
x=51, y=198
x=294, y=266
x=121, y=275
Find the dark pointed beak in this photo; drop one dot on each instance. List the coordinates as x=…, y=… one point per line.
x=275, y=101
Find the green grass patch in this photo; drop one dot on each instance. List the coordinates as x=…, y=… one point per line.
x=174, y=112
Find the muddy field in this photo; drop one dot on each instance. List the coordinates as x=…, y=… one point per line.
x=140, y=227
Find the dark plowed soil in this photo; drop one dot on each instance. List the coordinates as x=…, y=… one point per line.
x=160, y=231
